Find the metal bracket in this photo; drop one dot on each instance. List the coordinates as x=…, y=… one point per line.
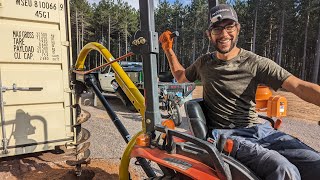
x=4, y=137
x=15, y=88
x=67, y=90
x=145, y=42
x=64, y=43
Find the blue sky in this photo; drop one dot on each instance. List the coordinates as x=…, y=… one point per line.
x=135, y=3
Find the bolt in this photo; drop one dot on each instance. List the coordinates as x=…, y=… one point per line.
x=148, y=121
x=142, y=40
x=134, y=42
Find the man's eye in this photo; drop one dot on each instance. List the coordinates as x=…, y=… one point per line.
x=229, y=27
x=217, y=29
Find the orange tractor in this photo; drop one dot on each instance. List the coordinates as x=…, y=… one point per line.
x=179, y=155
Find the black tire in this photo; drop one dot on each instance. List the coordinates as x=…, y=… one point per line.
x=172, y=112
x=176, y=117
x=125, y=100
x=164, y=110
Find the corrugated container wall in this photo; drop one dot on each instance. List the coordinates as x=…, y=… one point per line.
x=34, y=62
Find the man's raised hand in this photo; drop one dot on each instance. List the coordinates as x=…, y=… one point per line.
x=166, y=40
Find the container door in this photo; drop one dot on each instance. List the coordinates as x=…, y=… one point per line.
x=34, y=63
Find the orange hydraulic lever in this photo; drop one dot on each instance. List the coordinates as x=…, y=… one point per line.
x=228, y=146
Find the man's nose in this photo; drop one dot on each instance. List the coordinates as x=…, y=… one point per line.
x=224, y=33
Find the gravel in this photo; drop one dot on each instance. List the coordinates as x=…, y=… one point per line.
x=307, y=132
x=107, y=143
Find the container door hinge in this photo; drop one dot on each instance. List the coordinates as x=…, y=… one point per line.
x=64, y=43
x=67, y=90
x=69, y=134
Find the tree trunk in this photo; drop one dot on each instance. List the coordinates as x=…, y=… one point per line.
x=281, y=38
x=208, y=47
x=316, y=65
x=77, y=32
x=109, y=29
x=126, y=39
x=182, y=57
x=175, y=45
x=203, y=50
x=269, y=43
x=303, y=76
x=102, y=41
x=119, y=53
x=193, y=49
x=82, y=31
x=255, y=30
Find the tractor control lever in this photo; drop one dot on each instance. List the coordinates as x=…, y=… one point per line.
x=174, y=34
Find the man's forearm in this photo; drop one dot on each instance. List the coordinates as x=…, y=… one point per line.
x=177, y=69
x=309, y=92
x=305, y=90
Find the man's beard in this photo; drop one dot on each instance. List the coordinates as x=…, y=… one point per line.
x=233, y=44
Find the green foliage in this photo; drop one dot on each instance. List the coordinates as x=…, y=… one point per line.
x=274, y=39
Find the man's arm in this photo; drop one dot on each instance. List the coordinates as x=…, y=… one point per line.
x=305, y=90
x=177, y=69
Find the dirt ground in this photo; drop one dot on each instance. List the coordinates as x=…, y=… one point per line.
x=51, y=165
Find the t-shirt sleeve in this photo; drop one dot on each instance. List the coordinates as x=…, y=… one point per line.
x=192, y=72
x=271, y=74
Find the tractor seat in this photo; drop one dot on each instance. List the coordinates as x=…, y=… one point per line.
x=197, y=120
x=198, y=126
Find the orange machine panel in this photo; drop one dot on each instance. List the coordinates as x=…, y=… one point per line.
x=277, y=106
x=263, y=94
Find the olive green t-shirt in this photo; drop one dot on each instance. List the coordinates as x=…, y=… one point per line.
x=229, y=87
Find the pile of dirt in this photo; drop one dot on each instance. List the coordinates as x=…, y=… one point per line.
x=49, y=165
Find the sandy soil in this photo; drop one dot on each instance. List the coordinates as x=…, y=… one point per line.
x=51, y=165
x=48, y=165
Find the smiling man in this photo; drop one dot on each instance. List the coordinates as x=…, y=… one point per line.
x=230, y=77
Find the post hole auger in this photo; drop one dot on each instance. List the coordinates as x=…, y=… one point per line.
x=84, y=80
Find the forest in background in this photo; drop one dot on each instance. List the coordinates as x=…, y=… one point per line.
x=286, y=31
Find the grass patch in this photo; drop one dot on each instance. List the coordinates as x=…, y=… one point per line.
x=198, y=83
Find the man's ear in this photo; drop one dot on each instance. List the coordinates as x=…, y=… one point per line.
x=239, y=27
x=208, y=34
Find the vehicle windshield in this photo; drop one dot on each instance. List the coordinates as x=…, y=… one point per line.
x=127, y=67
x=106, y=70
x=132, y=66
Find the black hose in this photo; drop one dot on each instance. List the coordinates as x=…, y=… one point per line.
x=91, y=83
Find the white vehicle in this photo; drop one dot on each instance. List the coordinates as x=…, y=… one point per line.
x=107, y=80
x=108, y=83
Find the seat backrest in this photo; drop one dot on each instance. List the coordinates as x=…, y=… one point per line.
x=196, y=117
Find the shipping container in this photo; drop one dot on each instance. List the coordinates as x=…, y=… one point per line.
x=35, y=57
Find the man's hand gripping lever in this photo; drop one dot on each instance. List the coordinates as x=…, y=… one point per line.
x=227, y=145
x=166, y=39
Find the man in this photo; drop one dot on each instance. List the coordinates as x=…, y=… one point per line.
x=230, y=77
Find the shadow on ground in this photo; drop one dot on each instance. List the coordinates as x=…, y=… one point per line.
x=50, y=165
